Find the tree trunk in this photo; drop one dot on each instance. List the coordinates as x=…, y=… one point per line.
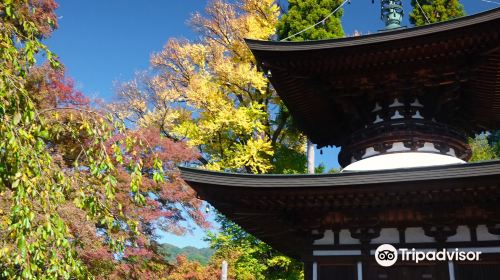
x=310, y=157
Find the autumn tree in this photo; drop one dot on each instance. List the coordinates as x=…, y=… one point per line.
x=432, y=11
x=303, y=14
x=185, y=269
x=35, y=240
x=76, y=185
x=211, y=93
x=166, y=206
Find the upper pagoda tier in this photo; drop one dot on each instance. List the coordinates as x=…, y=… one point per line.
x=423, y=88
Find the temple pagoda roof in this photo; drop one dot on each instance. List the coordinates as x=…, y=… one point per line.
x=284, y=209
x=243, y=181
x=328, y=85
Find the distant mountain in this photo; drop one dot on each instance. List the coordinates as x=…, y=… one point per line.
x=193, y=254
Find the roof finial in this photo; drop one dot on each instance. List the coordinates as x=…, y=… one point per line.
x=392, y=13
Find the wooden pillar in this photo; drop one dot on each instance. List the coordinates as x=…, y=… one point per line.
x=365, y=254
x=308, y=270
x=365, y=259
x=309, y=263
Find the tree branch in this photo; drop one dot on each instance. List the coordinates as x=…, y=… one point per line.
x=280, y=127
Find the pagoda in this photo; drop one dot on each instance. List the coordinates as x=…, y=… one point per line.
x=401, y=104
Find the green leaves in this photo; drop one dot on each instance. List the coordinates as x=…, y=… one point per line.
x=37, y=180
x=17, y=118
x=158, y=176
x=432, y=11
x=8, y=8
x=305, y=13
x=249, y=257
x=481, y=149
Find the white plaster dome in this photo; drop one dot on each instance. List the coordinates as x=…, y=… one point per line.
x=402, y=160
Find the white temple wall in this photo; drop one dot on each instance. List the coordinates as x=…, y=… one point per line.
x=345, y=238
x=463, y=234
x=417, y=235
x=484, y=235
x=387, y=235
x=411, y=235
x=328, y=239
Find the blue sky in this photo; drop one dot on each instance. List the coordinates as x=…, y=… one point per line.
x=103, y=41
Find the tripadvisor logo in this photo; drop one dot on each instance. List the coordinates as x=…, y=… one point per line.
x=386, y=255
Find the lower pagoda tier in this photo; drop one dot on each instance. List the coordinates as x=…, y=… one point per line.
x=335, y=222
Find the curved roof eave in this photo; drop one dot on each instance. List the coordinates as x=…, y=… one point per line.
x=463, y=22
x=455, y=171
